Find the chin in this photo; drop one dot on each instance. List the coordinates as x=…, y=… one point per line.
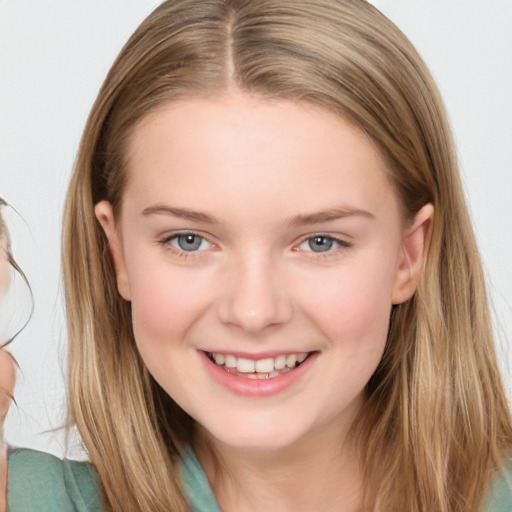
x=255, y=438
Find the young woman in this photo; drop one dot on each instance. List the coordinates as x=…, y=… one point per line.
x=274, y=296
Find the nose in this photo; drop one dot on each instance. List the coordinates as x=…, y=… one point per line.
x=255, y=297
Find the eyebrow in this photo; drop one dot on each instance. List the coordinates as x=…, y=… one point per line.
x=328, y=216
x=182, y=213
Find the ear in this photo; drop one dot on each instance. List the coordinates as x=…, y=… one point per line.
x=413, y=253
x=105, y=215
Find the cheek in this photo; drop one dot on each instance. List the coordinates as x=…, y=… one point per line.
x=352, y=306
x=166, y=301
x=353, y=315
x=164, y=307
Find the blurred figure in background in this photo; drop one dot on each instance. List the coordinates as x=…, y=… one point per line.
x=6, y=362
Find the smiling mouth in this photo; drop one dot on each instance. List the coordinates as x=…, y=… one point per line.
x=267, y=368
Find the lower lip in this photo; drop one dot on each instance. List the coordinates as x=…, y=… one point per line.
x=256, y=387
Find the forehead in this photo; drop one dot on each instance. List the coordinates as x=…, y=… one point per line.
x=242, y=149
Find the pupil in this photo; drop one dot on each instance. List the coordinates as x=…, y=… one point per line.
x=189, y=242
x=320, y=244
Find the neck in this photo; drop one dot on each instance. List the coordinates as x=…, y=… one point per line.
x=313, y=474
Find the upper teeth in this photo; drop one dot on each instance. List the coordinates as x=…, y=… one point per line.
x=266, y=365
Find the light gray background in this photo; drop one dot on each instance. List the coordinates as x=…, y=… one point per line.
x=54, y=55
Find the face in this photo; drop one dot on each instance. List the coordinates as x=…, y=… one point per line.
x=261, y=247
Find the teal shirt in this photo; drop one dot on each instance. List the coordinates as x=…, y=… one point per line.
x=39, y=482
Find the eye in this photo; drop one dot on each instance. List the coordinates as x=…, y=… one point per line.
x=189, y=242
x=321, y=243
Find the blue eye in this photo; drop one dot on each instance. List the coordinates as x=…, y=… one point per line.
x=319, y=243
x=189, y=242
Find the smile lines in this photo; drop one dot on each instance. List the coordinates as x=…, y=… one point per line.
x=266, y=368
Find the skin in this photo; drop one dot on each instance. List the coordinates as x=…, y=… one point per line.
x=257, y=171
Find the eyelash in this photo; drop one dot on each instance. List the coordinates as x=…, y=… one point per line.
x=166, y=242
x=339, y=244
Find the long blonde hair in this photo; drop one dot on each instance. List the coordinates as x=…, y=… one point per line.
x=436, y=426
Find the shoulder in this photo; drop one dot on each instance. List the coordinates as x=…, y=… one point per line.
x=499, y=498
x=43, y=482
